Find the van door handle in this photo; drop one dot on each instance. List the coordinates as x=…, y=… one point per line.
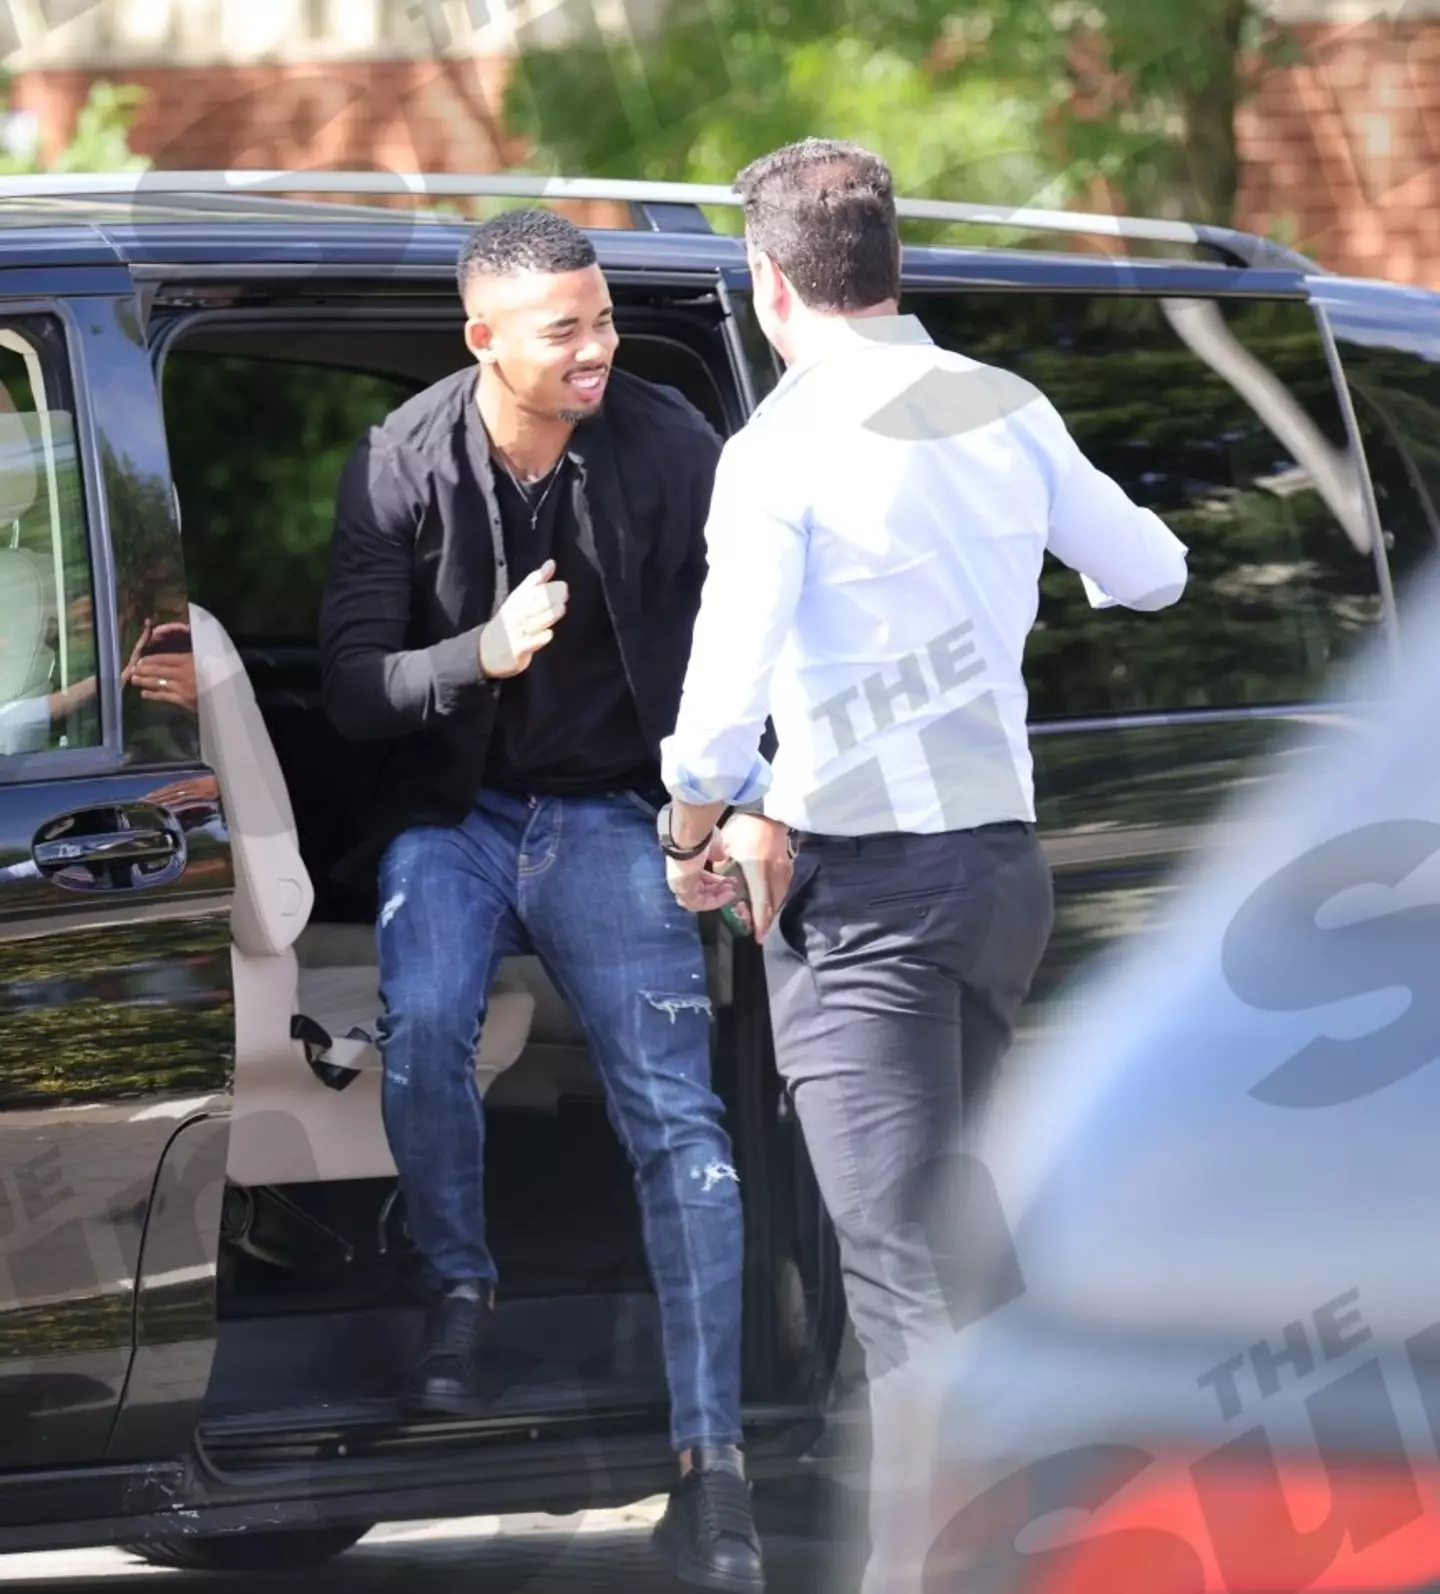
x=119, y=848
x=115, y=846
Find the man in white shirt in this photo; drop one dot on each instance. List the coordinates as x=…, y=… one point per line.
x=875, y=541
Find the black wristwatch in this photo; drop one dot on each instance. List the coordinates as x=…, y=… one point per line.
x=669, y=846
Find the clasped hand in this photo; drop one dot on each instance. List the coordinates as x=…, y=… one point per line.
x=761, y=849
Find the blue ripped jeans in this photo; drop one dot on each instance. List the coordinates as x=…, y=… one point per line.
x=580, y=882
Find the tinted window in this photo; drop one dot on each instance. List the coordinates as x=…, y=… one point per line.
x=257, y=447
x=1393, y=368
x=49, y=697
x=752, y=347
x=1279, y=593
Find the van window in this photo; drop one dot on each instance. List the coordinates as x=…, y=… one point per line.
x=258, y=440
x=1391, y=356
x=257, y=446
x=1221, y=417
x=259, y=423
x=49, y=697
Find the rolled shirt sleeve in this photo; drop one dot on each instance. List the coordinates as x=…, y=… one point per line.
x=755, y=538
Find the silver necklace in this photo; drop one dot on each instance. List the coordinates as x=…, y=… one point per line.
x=523, y=487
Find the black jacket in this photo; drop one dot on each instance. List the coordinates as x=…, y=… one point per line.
x=417, y=566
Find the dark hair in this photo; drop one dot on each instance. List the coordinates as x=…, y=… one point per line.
x=824, y=211
x=523, y=240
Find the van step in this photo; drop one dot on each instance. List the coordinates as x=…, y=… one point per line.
x=374, y=1428
x=337, y=1438
x=579, y=1354
x=353, y=1470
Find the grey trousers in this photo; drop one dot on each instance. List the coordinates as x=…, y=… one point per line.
x=896, y=969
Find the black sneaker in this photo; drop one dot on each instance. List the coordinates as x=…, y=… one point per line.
x=707, y=1535
x=447, y=1379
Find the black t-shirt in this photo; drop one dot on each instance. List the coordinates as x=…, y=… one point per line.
x=568, y=725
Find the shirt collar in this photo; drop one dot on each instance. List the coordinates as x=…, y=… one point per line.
x=864, y=332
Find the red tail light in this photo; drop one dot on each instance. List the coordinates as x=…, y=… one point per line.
x=1233, y=1522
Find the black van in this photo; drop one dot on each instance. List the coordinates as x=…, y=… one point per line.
x=206, y=1283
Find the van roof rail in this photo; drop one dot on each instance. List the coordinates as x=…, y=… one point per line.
x=658, y=206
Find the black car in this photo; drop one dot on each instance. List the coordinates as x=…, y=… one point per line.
x=208, y=1286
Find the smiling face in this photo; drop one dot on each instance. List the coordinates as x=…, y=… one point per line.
x=547, y=336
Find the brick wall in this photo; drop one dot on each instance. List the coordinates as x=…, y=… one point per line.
x=379, y=115
x=1342, y=153
x=395, y=114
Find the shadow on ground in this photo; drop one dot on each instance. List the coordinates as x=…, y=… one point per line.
x=600, y=1551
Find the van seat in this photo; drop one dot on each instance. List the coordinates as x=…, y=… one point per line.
x=287, y=1125
x=339, y=975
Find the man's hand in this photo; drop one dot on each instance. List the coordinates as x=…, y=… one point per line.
x=762, y=849
x=697, y=887
x=524, y=625
x=186, y=793
x=164, y=677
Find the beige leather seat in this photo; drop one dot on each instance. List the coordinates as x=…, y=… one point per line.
x=26, y=662
x=27, y=593
x=337, y=974
x=288, y=1126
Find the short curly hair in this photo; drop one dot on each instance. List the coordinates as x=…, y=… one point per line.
x=523, y=240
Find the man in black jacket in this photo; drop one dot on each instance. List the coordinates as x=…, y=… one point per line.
x=517, y=563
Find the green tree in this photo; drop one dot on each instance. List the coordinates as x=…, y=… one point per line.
x=999, y=101
x=1145, y=92
x=101, y=140
x=719, y=83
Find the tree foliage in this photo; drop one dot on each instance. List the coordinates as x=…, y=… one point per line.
x=1001, y=101
x=100, y=141
x=719, y=84
x=257, y=449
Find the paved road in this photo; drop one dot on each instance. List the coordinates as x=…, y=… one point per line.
x=597, y=1552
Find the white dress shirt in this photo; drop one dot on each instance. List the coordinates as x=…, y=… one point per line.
x=875, y=541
